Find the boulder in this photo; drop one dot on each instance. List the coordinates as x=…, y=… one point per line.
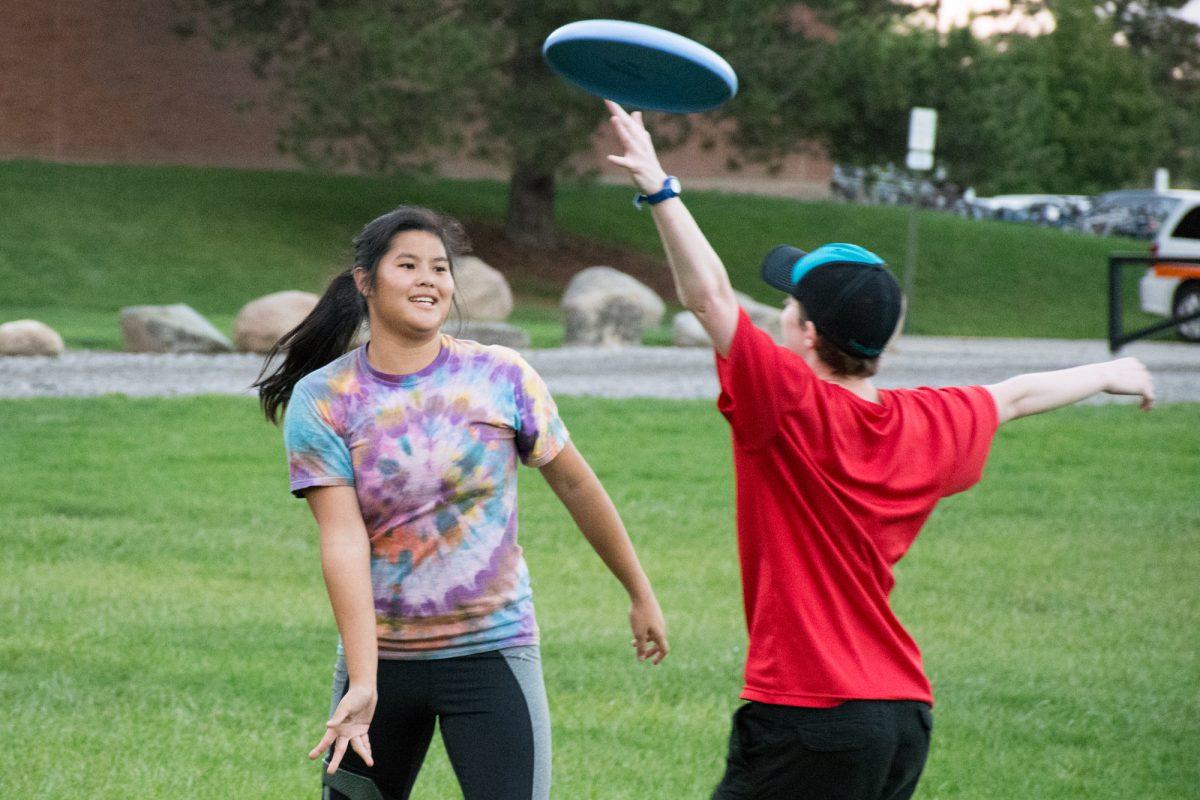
x=603, y=306
x=489, y=333
x=177, y=328
x=481, y=291
x=28, y=337
x=686, y=330
x=261, y=322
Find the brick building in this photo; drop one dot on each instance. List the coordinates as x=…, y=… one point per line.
x=108, y=81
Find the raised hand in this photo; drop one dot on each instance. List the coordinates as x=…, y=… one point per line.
x=348, y=726
x=639, y=157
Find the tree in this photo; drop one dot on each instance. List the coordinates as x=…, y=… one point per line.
x=386, y=84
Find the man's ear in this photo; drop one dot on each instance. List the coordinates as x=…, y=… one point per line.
x=810, y=334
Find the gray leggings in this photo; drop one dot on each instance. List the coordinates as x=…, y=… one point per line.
x=492, y=711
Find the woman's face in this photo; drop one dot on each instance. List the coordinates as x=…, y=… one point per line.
x=413, y=286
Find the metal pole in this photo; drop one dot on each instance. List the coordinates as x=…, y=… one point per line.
x=1116, y=313
x=910, y=265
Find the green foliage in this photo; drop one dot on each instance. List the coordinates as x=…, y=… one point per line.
x=162, y=588
x=1070, y=111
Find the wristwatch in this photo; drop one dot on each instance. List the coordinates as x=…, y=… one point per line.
x=671, y=188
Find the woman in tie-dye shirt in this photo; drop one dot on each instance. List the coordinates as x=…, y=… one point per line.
x=406, y=450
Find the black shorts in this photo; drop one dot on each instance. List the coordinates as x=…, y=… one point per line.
x=859, y=750
x=491, y=708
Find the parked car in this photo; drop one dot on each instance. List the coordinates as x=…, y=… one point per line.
x=1171, y=288
x=1051, y=210
x=1137, y=213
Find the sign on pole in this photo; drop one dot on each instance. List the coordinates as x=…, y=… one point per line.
x=922, y=128
x=922, y=134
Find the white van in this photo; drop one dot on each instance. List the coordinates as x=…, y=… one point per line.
x=1172, y=289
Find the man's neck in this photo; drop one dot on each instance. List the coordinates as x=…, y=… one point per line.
x=863, y=387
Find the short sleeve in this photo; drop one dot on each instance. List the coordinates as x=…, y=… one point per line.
x=317, y=454
x=972, y=428
x=760, y=382
x=540, y=432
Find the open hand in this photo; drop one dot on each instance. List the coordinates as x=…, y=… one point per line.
x=649, y=630
x=1130, y=376
x=348, y=726
x=639, y=156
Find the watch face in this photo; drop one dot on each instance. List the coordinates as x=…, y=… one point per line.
x=674, y=185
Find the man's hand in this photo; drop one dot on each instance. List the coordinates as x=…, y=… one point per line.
x=1130, y=376
x=639, y=157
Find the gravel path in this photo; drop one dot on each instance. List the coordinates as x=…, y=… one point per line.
x=632, y=372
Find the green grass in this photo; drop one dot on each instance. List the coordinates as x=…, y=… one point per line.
x=79, y=242
x=164, y=631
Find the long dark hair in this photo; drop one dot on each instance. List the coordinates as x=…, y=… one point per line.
x=329, y=330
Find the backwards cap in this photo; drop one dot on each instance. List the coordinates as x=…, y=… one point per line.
x=846, y=290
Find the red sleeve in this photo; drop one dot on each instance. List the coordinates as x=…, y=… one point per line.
x=760, y=382
x=973, y=423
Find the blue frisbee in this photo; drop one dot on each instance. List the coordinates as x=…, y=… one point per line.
x=640, y=66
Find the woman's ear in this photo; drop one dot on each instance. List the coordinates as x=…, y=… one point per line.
x=360, y=280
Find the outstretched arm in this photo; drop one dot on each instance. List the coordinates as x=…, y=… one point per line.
x=700, y=278
x=589, y=505
x=1036, y=392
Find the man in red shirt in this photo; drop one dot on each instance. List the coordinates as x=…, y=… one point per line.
x=834, y=480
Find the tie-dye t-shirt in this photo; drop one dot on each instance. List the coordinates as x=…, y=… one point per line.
x=432, y=457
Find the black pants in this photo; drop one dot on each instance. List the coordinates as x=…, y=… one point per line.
x=860, y=750
x=491, y=708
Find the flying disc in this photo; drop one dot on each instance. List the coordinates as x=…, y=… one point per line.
x=640, y=66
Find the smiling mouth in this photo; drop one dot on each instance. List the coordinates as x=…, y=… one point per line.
x=428, y=302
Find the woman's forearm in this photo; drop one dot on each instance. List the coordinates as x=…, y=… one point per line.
x=581, y=492
x=599, y=522
x=345, y=563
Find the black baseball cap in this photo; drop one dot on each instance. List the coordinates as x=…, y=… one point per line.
x=846, y=290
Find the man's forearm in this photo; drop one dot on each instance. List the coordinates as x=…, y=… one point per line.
x=700, y=277
x=1037, y=392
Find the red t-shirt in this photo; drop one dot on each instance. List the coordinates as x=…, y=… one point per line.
x=831, y=491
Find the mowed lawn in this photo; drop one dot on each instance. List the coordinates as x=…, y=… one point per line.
x=164, y=631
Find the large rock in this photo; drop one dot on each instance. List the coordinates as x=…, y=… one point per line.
x=686, y=330
x=602, y=306
x=489, y=333
x=261, y=322
x=482, y=292
x=28, y=337
x=170, y=329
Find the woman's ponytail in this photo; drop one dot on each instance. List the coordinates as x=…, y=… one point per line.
x=326, y=333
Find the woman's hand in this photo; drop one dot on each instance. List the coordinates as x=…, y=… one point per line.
x=639, y=157
x=649, y=629
x=349, y=725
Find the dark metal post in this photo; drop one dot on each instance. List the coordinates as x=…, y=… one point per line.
x=1116, y=311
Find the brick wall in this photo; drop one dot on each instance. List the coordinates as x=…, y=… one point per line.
x=107, y=81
